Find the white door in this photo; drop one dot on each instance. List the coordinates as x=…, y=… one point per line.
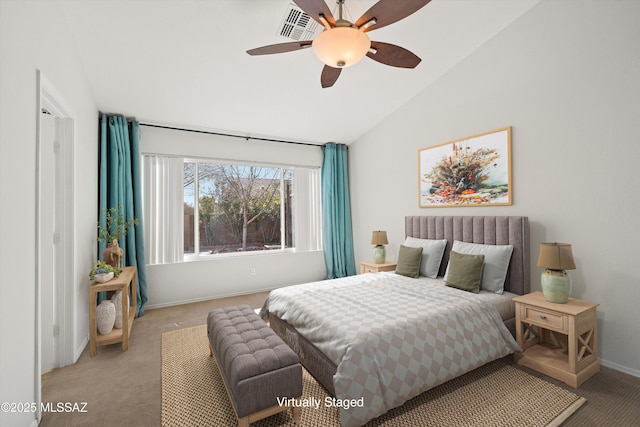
x=49, y=239
x=55, y=293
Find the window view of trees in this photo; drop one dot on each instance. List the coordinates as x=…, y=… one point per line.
x=239, y=208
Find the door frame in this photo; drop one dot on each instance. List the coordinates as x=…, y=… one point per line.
x=50, y=99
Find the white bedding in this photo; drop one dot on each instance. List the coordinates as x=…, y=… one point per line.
x=393, y=337
x=504, y=304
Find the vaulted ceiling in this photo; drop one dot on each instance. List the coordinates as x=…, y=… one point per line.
x=184, y=63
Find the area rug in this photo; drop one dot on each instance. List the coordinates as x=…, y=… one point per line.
x=496, y=394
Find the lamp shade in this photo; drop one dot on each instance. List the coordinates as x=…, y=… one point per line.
x=341, y=47
x=556, y=256
x=379, y=238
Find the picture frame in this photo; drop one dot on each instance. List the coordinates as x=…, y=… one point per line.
x=471, y=171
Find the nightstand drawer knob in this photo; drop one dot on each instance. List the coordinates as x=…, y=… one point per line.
x=543, y=317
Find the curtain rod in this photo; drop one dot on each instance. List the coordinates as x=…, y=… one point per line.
x=233, y=136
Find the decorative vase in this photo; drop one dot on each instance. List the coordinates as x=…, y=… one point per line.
x=105, y=317
x=106, y=256
x=556, y=285
x=113, y=254
x=116, y=299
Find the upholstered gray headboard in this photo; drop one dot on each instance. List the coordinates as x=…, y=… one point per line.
x=488, y=230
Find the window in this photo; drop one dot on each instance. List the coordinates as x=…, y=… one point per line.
x=240, y=208
x=196, y=208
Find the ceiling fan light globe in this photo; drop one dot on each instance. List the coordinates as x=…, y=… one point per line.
x=341, y=47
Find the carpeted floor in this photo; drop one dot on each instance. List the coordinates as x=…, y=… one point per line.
x=123, y=388
x=193, y=394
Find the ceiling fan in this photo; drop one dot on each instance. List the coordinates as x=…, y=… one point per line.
x=344, y=43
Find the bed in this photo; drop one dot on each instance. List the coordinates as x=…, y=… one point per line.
x=390, y=337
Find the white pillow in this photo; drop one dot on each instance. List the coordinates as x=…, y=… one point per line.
x=496, y=263
x=432, y=251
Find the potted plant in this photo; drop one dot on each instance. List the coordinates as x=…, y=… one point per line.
x=109, y=233
x=103, y=272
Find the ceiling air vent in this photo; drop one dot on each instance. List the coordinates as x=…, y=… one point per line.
x=297, y=25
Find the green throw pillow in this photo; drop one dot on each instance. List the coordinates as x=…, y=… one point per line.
x=465, y=271
x=409, y=261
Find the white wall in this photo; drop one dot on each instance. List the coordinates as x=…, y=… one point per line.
x=32, y=37
x=566, y=76
x=171, y=284
x=228, y=275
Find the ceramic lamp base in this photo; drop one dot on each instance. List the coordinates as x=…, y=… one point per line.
x=556, y=286
x=379, y=254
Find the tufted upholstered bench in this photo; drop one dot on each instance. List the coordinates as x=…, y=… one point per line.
x=256, y=365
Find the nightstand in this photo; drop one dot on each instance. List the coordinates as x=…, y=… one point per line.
x=558, y=340
x=372, y=267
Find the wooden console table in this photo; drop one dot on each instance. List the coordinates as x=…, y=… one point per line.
x=125, y=282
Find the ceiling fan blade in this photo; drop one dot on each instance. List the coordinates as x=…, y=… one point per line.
x=315, y=8
x=280, y=48
x=329, y=76
x=389, y=11
x=390, y=54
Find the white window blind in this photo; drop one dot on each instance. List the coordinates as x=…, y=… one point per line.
x=308, y=210
x=163, y=211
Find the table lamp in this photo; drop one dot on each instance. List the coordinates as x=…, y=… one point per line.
x=555, y=258
x=379, y=239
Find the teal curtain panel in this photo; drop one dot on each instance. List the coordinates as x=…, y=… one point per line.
x=120, y=187
x=336, y=213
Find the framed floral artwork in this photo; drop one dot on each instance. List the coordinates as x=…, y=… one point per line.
x=472, y=171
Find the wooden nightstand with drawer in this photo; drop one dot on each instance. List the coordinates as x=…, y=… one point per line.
x=559, y=340
x=372, y=267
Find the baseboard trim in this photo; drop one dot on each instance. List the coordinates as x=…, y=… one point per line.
x=621, y=368
x=80, y=349
x=209, y=298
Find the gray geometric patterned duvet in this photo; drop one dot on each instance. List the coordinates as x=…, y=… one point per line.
x=393, y=337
